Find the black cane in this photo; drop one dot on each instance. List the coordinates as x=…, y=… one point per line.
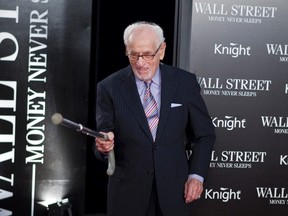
x=57, y=119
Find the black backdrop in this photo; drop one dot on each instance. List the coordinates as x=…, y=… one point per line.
x=40, y=163
x=108, y=55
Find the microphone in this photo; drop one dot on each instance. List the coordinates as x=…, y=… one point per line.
x=58, y=119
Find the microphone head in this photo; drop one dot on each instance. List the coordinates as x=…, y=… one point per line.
x=57, y=118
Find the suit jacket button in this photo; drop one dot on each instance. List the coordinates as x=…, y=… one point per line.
x=155, y=147
x=150, y=172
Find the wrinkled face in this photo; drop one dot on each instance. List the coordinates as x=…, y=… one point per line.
x=144, y=54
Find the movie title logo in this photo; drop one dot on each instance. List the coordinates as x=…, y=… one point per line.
x=236, y=159
x=233, y=49
x=246, y=14
x=278, y=50
x=229, y=123
x=233, y=87
x=36, y=99
x=275, y=196
x=8, y=108
x=224, y=194
x=279, y=124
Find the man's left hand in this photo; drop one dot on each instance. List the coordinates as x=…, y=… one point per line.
x=193, y=190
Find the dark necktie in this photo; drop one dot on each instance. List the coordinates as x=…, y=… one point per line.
x=151, y=111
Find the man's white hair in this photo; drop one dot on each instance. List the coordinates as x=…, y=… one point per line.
x=140, y=25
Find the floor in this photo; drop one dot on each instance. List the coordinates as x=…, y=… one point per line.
x=95, y=215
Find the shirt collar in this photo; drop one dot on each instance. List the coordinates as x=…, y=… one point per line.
x=155, y=79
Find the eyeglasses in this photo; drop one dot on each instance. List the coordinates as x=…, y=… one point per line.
x=146, y=57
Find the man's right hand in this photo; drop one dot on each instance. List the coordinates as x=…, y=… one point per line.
x=105, y=146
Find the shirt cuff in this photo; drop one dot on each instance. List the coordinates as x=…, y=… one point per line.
x=200, y=178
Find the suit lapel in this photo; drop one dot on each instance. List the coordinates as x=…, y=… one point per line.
x=128, y=89
x=131, y=97
x=168, y=87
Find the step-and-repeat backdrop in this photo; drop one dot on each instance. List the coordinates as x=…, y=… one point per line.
x=239, y=52
x=44, y=68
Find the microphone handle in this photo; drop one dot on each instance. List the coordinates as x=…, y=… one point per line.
x=58, y=119
x=81, y=128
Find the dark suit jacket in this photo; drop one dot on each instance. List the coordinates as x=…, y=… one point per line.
x=139, y=159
